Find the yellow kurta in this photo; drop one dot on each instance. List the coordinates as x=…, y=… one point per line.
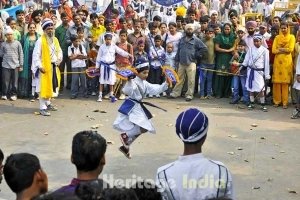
x=283, y=62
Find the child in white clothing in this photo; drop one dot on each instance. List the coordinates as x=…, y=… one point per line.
x=134, y=118
x=296, y=113
x=106, y=62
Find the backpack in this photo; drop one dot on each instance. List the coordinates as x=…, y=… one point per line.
x=80, y=49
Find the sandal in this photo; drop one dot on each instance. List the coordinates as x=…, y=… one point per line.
x=125, y=151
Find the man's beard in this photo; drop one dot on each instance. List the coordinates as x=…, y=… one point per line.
x=50, y=38
x=189, y=34
x=250, y=32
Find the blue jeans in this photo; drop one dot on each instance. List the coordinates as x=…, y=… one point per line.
x=206, y=76
x=237, y=80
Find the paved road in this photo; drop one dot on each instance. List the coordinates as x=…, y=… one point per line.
x=269, y=160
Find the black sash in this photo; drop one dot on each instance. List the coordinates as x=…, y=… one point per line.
x=147, y=112
x=54, y=77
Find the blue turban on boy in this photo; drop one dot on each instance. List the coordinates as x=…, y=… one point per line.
x=191, y=125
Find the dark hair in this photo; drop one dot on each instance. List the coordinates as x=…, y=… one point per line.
x=19, y=170
x=121, y=20
x=62, y=15
x=88, y=148
x=119, y=194
x=80, y=29
x=107, y=21
x=284, y=24
x=151, y=25
x=179, y=18
x=57, y=196
x=163, y=23
x=157, y=18
x=19, y=12
x=31, y=24
x=191, y=12
x=74, y=37
x=277, y=18
x=123, y=31
x=204, y=18
x=146, y=191
x=242, y=43
x=9, y=20
x=93, y=16
x=172, y=24
x=115, y=11
x=157, y=37
x=1, y=155
x=90, y=190
x=52, y=12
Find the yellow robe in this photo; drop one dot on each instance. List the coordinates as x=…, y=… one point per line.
x=46, y=89
x=283, y=63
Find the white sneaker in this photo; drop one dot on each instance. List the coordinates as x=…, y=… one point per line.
x=3, y=97
x=164, y=94
x=150, y=96
x=157, y=96
x=13, y=98
x=99, y=99
x=94, y=93
x=106, y=96
x=122, y=97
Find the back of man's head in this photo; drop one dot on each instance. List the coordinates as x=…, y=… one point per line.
x=19, y=171
x=146, y=191
x=88, y=149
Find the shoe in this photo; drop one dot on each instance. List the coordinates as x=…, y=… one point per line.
x=157, y=96
x=264, y=108
x=164, y=94
x=51, y=108
x=150, y=96
x=209, y=97
x=188, y=98
x=106, y=96
x=113, y=99
x=85, y=96
x=94, y=93
x=13, y=98
x=32, y=100
x=73, y=97
x=171, y=96
x=234, y=102
x=99, y=99
x=202, y=98
x=122, y=97
x=3, y=97
x=124, y=139
x=296, y=114
x=284, y=106
x=250, y=106
x=44, y=112
x=275, y=105
x=125, y=151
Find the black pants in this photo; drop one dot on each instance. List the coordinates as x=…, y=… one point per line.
x=9, y=81
x=155, y=76
x=65, y=62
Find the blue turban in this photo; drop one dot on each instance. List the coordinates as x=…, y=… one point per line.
x=257, y=37
x=191, y=125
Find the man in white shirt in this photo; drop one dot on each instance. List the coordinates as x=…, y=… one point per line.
x=193, y=176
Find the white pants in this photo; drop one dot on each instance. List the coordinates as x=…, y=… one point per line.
x=44, y=103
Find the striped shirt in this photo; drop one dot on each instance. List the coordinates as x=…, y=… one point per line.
x=12, y=54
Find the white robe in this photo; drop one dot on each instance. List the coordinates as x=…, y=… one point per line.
x=257, y=58
x=37, y=59
x=107, y=54
x=137, y=116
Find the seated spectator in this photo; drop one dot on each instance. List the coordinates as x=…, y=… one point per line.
x=91, y=190
x=146, y=191
x=88, y=155
x=185, y=178
x=24, y=176
x=118, y=193
x=1, y=165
